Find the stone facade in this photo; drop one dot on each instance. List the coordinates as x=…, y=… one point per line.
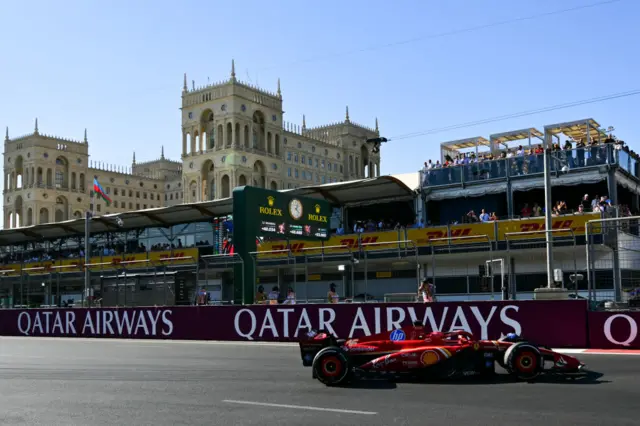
x=233, y=134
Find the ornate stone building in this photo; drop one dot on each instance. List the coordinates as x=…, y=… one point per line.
x=233, y=134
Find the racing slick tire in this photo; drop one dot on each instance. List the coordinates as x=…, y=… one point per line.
x=524, y=361
x=331, y=366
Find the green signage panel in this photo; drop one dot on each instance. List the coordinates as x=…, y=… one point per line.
x=285, y=216
x=267, y=213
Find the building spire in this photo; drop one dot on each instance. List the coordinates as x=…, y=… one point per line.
x=162, y=153
x=304, y=122
x=85, y=136
x=184, y=84
x=346, y=119
x=6, y=135
x=134, y=157
x=377, y=129
x=233, y=70
x=35, y=131
x=279, y=92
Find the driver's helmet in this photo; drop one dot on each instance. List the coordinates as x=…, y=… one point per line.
x=511, y=337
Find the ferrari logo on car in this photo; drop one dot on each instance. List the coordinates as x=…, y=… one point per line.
x=476, y=346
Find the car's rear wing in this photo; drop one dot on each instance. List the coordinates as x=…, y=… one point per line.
x=312, y=342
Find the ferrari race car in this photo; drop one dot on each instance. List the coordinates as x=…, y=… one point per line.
x=413, y=352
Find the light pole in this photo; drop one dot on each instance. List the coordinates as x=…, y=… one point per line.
x=87, y=255
x=548, y=222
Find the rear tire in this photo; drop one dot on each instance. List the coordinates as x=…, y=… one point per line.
x=524, y=361
x=331, y=366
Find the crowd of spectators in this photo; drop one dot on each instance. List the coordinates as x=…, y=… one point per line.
x=370, y=225
x=40, y=253
x=588, y=204
x=522, y=161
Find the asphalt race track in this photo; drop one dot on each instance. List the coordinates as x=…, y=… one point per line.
x=102, y=382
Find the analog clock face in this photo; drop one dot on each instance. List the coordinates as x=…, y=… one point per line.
x=295, y=209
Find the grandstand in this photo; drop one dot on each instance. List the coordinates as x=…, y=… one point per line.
x=388, y=232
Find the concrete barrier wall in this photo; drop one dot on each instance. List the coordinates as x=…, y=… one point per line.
x=614, y=330
x=560, y=323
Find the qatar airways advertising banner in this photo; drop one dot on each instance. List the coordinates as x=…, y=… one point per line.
x=553, y=323
x=614, y=330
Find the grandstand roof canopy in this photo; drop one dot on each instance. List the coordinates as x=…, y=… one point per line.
x=577, y=130
x=465, y=143
x=516, y=135
x=364, y=191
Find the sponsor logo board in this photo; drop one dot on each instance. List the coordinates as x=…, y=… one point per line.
x=189, y=255
x=552, y=323
x=614, y=330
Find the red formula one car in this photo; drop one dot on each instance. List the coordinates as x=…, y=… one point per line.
x=411, y=351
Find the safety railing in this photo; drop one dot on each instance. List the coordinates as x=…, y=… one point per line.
x=323, y=257
x=512, y=241
x=604, y=226
x=585, y=158
x=291, y=259
x=224, y=262
x=436, y=244
x=133, y=278
x=399, y=249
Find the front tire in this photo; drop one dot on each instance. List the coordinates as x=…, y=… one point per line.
x=524, y=361
x=331, y=366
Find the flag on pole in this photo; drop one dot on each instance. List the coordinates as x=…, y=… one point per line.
x=97, y=188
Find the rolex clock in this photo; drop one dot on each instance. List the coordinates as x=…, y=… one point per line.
x=295, y=209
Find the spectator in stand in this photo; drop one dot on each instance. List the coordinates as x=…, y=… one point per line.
x=484, y=217
x=203, y=297
x=604, y=204
x=332, y=296
x=560, y=209
x=291, y=297
x=585, y=203
x=471, y=216
x=260, y=296
x=537, y=210
x=426, y=291
x=493, y=217
x=274, y=295
x=526, y=211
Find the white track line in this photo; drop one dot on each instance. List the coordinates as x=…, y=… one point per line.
x=301, y=407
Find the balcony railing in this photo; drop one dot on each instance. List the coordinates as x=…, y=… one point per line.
x=529, y=165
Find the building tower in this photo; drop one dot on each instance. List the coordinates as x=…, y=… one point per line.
x=46, y=179
x=234, y=134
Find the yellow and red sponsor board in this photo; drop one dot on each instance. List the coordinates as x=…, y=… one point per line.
x=460, y=234
x=155, y=258
x=576, y=223
x=475, y=233
x=337, y=244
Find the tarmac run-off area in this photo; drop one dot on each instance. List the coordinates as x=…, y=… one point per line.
x=46, y=381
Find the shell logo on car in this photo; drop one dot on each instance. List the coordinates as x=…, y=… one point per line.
x=429, y=358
